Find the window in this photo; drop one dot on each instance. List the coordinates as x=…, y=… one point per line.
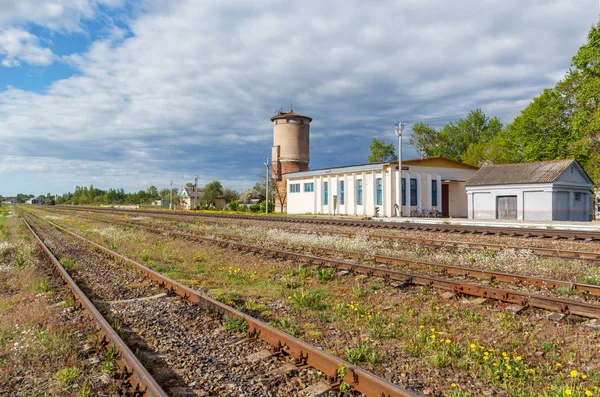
x=577, y=196
x=359, y=191
x=378, y=188
x=434, y=193
x=309, y=187
x=413, y=191
x=325, y=193
x=294, y=188
x=341, y=192
x=287, y=121
x=403, y=191
x=301, y=121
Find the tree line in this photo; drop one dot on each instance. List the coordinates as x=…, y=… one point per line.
x=562, y=122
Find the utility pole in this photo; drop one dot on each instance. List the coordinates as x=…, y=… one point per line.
x=399, y=127
x=267, y=186
x=196, y=192
x=171, y=196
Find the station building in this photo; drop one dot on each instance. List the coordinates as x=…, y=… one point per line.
x=370, y=189
x=558, y=190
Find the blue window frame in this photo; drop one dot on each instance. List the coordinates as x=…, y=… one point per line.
x=325, y=193
x=359, y=192
x=403, y=191
x=379, y=191
x=413, y=191
x=341, y=192
x=294, y=188
x=434, y=188
x=309, y=187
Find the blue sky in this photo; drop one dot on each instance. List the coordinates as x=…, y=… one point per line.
x=128, y=94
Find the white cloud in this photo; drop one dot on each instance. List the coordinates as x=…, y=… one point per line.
x=18, y=45
x=194, y=83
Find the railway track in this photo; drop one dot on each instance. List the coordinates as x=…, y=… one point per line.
x=449, y=244
x=142, y=383
x=525, y=299
x=445, y=228
x=303, y=354
x=487, y=275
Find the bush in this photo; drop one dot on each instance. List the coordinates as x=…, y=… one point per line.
x=233, y=206
x=254, y=208
x=263, y=207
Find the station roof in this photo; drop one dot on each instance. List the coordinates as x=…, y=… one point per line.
x=523, y=173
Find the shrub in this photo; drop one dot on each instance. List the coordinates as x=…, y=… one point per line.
x=254, y=208
x=263, y=207
x=233, y=206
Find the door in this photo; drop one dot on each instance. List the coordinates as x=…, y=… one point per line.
x=445, y=211
x=506, y=207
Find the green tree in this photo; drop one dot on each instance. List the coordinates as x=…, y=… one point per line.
x=381, y=152
x=152, y=192
x=467, y=140
x=212, y=191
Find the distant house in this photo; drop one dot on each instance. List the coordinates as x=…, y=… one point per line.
x=558, y=190
x=190, y=199
x=157, y=202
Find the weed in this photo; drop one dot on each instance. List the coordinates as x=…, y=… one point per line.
x=43, y=286
x=111, y=354
x=509, y=321
x=566, y=291
x=594, y=280
x=290, y=326
x=67, y=377
x=68, y=302
x=304, y=272
x=85, y=389
x=145, y=256
x=235, y=324
x=548, y=347
x=342, y=371
x=311, y=299
x=363, y=352
x=68, y=264
x=107, y=366
x=325, y=274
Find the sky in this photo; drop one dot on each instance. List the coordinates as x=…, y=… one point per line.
x=128, y=94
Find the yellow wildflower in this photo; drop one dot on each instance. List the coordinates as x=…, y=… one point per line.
x=583, y=376
x=453, y=385
x=448, y=340
x=588, y=393
x=472, y=346
x=568, y=392
x=518, y=358
x=573, y=373
x=558, y=365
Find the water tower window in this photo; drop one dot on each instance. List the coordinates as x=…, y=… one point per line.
x=287, y=121
x=301, y=121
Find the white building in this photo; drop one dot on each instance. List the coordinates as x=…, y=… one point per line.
x=557, y=190
x=370, y=189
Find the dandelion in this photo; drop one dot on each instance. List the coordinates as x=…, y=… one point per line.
x=583, y=376
x=448, y=341
x=588, y=393
x=472, y=346
x=573, y=373
x=568, y=392
x=558, y=365
x=518, y=358
x=454, y=385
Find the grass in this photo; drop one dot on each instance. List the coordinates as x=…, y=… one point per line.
x=67, y=377
x=235, y=324
x=389, y=317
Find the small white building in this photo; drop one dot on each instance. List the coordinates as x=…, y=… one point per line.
x=557, y=190
x=370, y=189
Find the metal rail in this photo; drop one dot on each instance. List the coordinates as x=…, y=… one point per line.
x=449, y=228
x=510, y=296
x=541, y=251
x=304, y=354
x=489, y=275
x=127, y=361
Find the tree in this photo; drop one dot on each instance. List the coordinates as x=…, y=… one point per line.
x=152, y=192
x=230, y=195
x=381, y=152
x=212, y=191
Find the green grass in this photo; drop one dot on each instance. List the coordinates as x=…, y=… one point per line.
x=235, y=324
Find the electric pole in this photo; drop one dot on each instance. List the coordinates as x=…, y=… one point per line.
x=267, y=186
x=196, y=192
x=171, y=196
x=399, y=127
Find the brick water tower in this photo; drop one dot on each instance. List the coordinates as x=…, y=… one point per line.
x=291, y=150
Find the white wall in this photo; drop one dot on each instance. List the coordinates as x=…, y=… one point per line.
x=540, y=202
x=312, y=202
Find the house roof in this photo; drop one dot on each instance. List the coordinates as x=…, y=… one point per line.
x=190, y=191
x=522, y=173
x=437, y=161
